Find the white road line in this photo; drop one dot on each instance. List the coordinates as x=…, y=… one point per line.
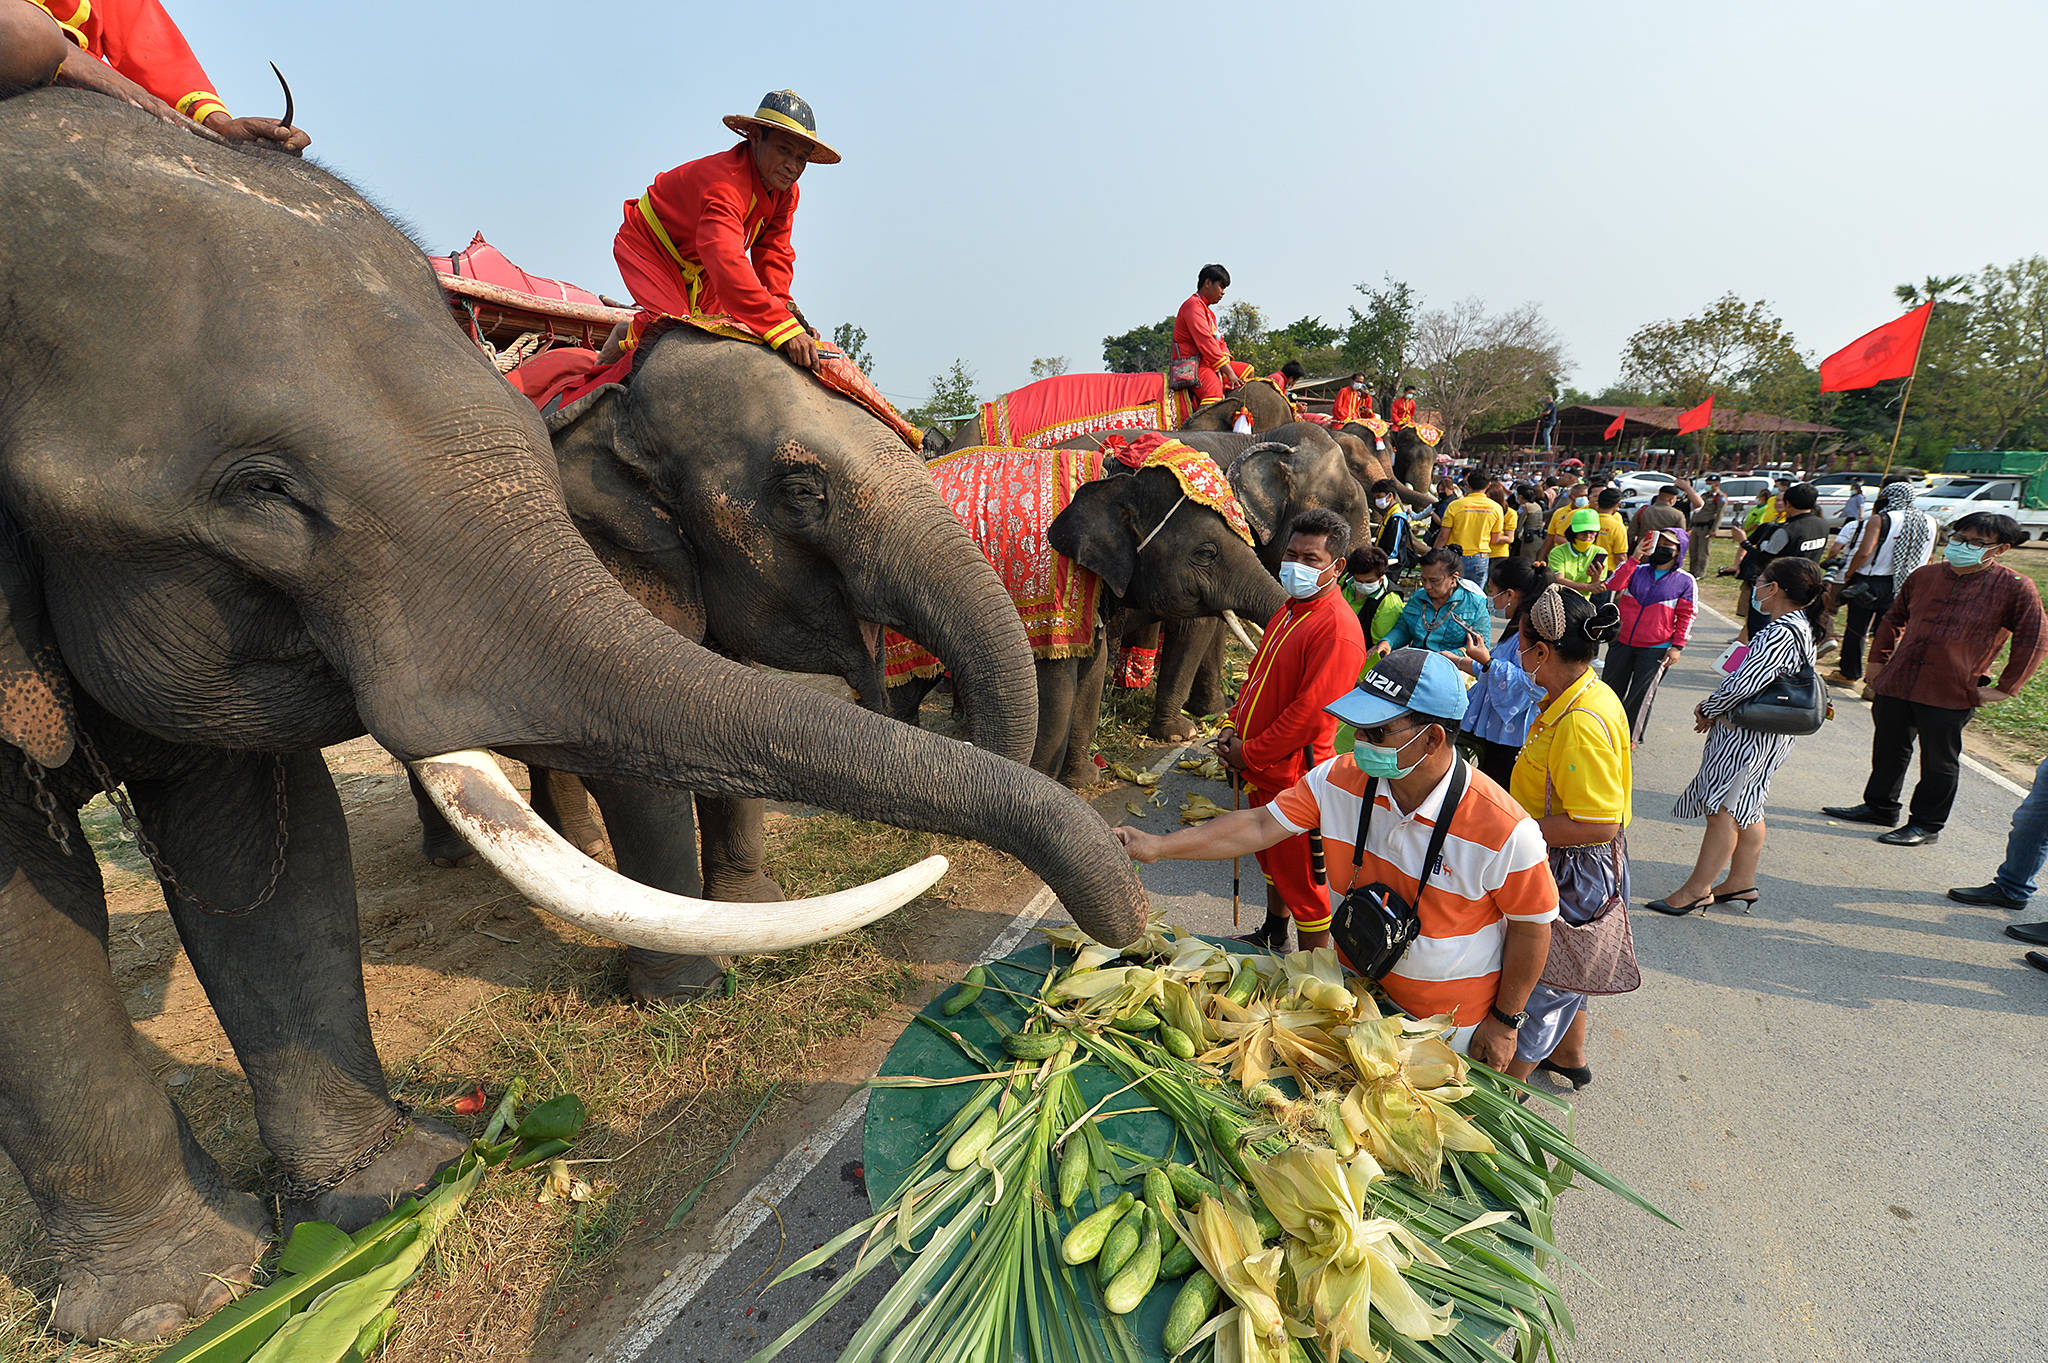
x=1996, y=778
x=661, y=1306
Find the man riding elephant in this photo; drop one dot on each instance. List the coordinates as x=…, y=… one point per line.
x=713, y=235
x=1195, y=338
x=130, y=50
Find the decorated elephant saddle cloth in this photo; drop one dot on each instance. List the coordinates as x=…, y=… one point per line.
x=1007, y=497
x=1041, y=415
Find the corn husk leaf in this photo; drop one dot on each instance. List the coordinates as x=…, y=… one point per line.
x=1198, y=808
x=1225, y=1241
x=1124, y=771
x=1263, y=1038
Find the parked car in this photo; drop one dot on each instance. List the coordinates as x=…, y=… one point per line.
x=1834, y=494
x=1741, y=493
x=1957, y=497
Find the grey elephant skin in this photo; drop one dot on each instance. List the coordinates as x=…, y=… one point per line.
x=262, y=496
x=786, y=533
x=1156, y=558
x=1277, y=475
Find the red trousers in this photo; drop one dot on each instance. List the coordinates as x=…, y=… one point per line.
x=1209, y=384
x=1289, y=869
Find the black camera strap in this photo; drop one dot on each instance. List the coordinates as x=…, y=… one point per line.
x=1444, y=815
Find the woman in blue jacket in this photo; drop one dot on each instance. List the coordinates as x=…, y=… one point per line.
x=1447, y=614
x=1504, y=700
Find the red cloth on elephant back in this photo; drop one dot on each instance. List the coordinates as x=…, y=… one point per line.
x=1042, y=414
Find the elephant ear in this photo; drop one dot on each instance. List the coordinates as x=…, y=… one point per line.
x=1098, y=530
x=35, y=697
x=602, y=481
x=1263, y=477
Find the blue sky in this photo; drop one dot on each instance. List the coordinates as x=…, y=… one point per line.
x=1022, y=180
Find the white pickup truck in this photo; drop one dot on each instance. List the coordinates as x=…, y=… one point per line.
x=1960, y=497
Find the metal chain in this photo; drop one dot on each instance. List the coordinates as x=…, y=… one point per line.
x=118, y=798
x=46, y=802
x=293, y=1188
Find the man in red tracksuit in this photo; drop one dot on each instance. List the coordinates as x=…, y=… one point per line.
x=130, y=50
x=712, y=236
x=1194, y=334
x=1312, y=654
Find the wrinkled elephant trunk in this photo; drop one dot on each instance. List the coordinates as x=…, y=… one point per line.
x=969, y=623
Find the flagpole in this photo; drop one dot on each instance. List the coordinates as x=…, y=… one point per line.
x=1906, y=395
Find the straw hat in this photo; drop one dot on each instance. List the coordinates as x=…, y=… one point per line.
x=786, y=111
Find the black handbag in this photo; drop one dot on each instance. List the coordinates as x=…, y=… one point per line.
x=1373, y=924
x=1796, y=704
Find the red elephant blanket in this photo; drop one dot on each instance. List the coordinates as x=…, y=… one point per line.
x=1041, y=415
x=1007, y=498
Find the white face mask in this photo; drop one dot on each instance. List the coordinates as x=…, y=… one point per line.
x=1578, y=501
x=1382, y=503
x=1299, y=580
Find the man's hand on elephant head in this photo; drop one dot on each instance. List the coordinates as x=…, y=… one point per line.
x=801, y=350
x=293, y=140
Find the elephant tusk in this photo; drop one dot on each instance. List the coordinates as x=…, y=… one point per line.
x=1238, y=628
x=474, y=796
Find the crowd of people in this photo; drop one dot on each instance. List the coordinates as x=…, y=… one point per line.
x=1485, y=707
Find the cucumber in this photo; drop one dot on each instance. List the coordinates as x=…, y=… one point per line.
x=1191, y=1309
x=1178, y=1044
x=1226, y=1134
x=1178, y=1261
x=1084, y=1241
x=1158, y=1193
x=1130, y=1285
x=1031, y=1045
x=1189, y=1186
x=1269, y=1224
x=1121, y=1244
x=966, y=993
x=967, y=1148
x=1074, y=1166
x=1241, y=987
x=1137, y=1020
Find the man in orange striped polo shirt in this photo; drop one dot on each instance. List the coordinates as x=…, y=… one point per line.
x=1485, y=907
x=1311, y=655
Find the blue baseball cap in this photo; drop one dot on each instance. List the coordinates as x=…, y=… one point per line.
x=1408, y=680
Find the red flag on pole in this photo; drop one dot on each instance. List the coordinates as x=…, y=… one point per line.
x=1890, y=352
x=1698, y=418
x=1614, y=427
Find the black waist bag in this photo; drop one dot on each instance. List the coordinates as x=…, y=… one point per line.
x=1373, y=924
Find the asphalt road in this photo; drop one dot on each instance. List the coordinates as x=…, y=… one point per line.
x=1839, y=1097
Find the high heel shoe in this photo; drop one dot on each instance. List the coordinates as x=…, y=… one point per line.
x=1579, y=1075
x=1747, y=898
x=1677, y=910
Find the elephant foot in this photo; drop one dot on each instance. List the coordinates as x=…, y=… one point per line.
x=657, y=977
x=444, y=846
x=1207, y=703
x=744, y=887
x=1172, y=728
x=362, y=1197
x=1081, y=775
x=181, y=1266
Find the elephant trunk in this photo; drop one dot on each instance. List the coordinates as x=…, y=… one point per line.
x=944, y=594
x=682, y=716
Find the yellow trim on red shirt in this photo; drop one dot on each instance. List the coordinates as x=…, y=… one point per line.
x=782, y=332
x=201, y=105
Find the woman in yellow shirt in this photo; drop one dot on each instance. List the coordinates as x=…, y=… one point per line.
x=1574, y=777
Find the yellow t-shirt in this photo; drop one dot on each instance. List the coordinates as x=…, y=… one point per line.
x=1576, y=760
x=1613, y=537
x=1561, y=519
x=1507, y=527
x=1474, y=520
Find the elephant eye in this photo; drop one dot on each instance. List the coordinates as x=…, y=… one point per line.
x=261, y=484
x=1206, y=553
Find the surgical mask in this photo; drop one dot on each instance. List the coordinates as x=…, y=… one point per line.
x=1522, y=661
x=1385, y=763
x=1578, y=501
x=1965, y=555
x=1663, y=557
x=1300, y=581
x=1376, y=587
x=1358, y=388
x=1382, y=503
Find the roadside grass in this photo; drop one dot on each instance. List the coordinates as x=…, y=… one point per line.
x=666, y=1088
x=2019, y=725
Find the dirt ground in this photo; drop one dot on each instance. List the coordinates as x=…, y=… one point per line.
x=468, y=984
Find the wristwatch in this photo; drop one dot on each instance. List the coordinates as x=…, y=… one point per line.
x=1512, y=1021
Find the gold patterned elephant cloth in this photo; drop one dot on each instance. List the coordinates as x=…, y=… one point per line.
x=1007, y=497
x=1042, y=414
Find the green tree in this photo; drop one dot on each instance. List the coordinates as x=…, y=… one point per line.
x=854, y=341
x=1310, y=334
x=1140, y=350
x=953, y=397
x=1048, y=366
x=1740, y=352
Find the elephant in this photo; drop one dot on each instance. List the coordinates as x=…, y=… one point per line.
x=1277, y=475
x=1155, y=558
x=1105, y=402
x=696, y=498
x=261, y=496
x=1268, y=406
x=1410, y=462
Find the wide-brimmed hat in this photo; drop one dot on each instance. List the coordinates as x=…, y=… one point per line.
x=787, y=111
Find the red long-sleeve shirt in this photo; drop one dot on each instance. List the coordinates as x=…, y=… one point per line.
x=138, y=39
x=1194, y=333
x=1312, y=654
x=1349, y=407
x=1402, y=412
x=710, y=237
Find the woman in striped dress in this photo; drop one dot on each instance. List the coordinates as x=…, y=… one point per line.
x=1735, y=771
